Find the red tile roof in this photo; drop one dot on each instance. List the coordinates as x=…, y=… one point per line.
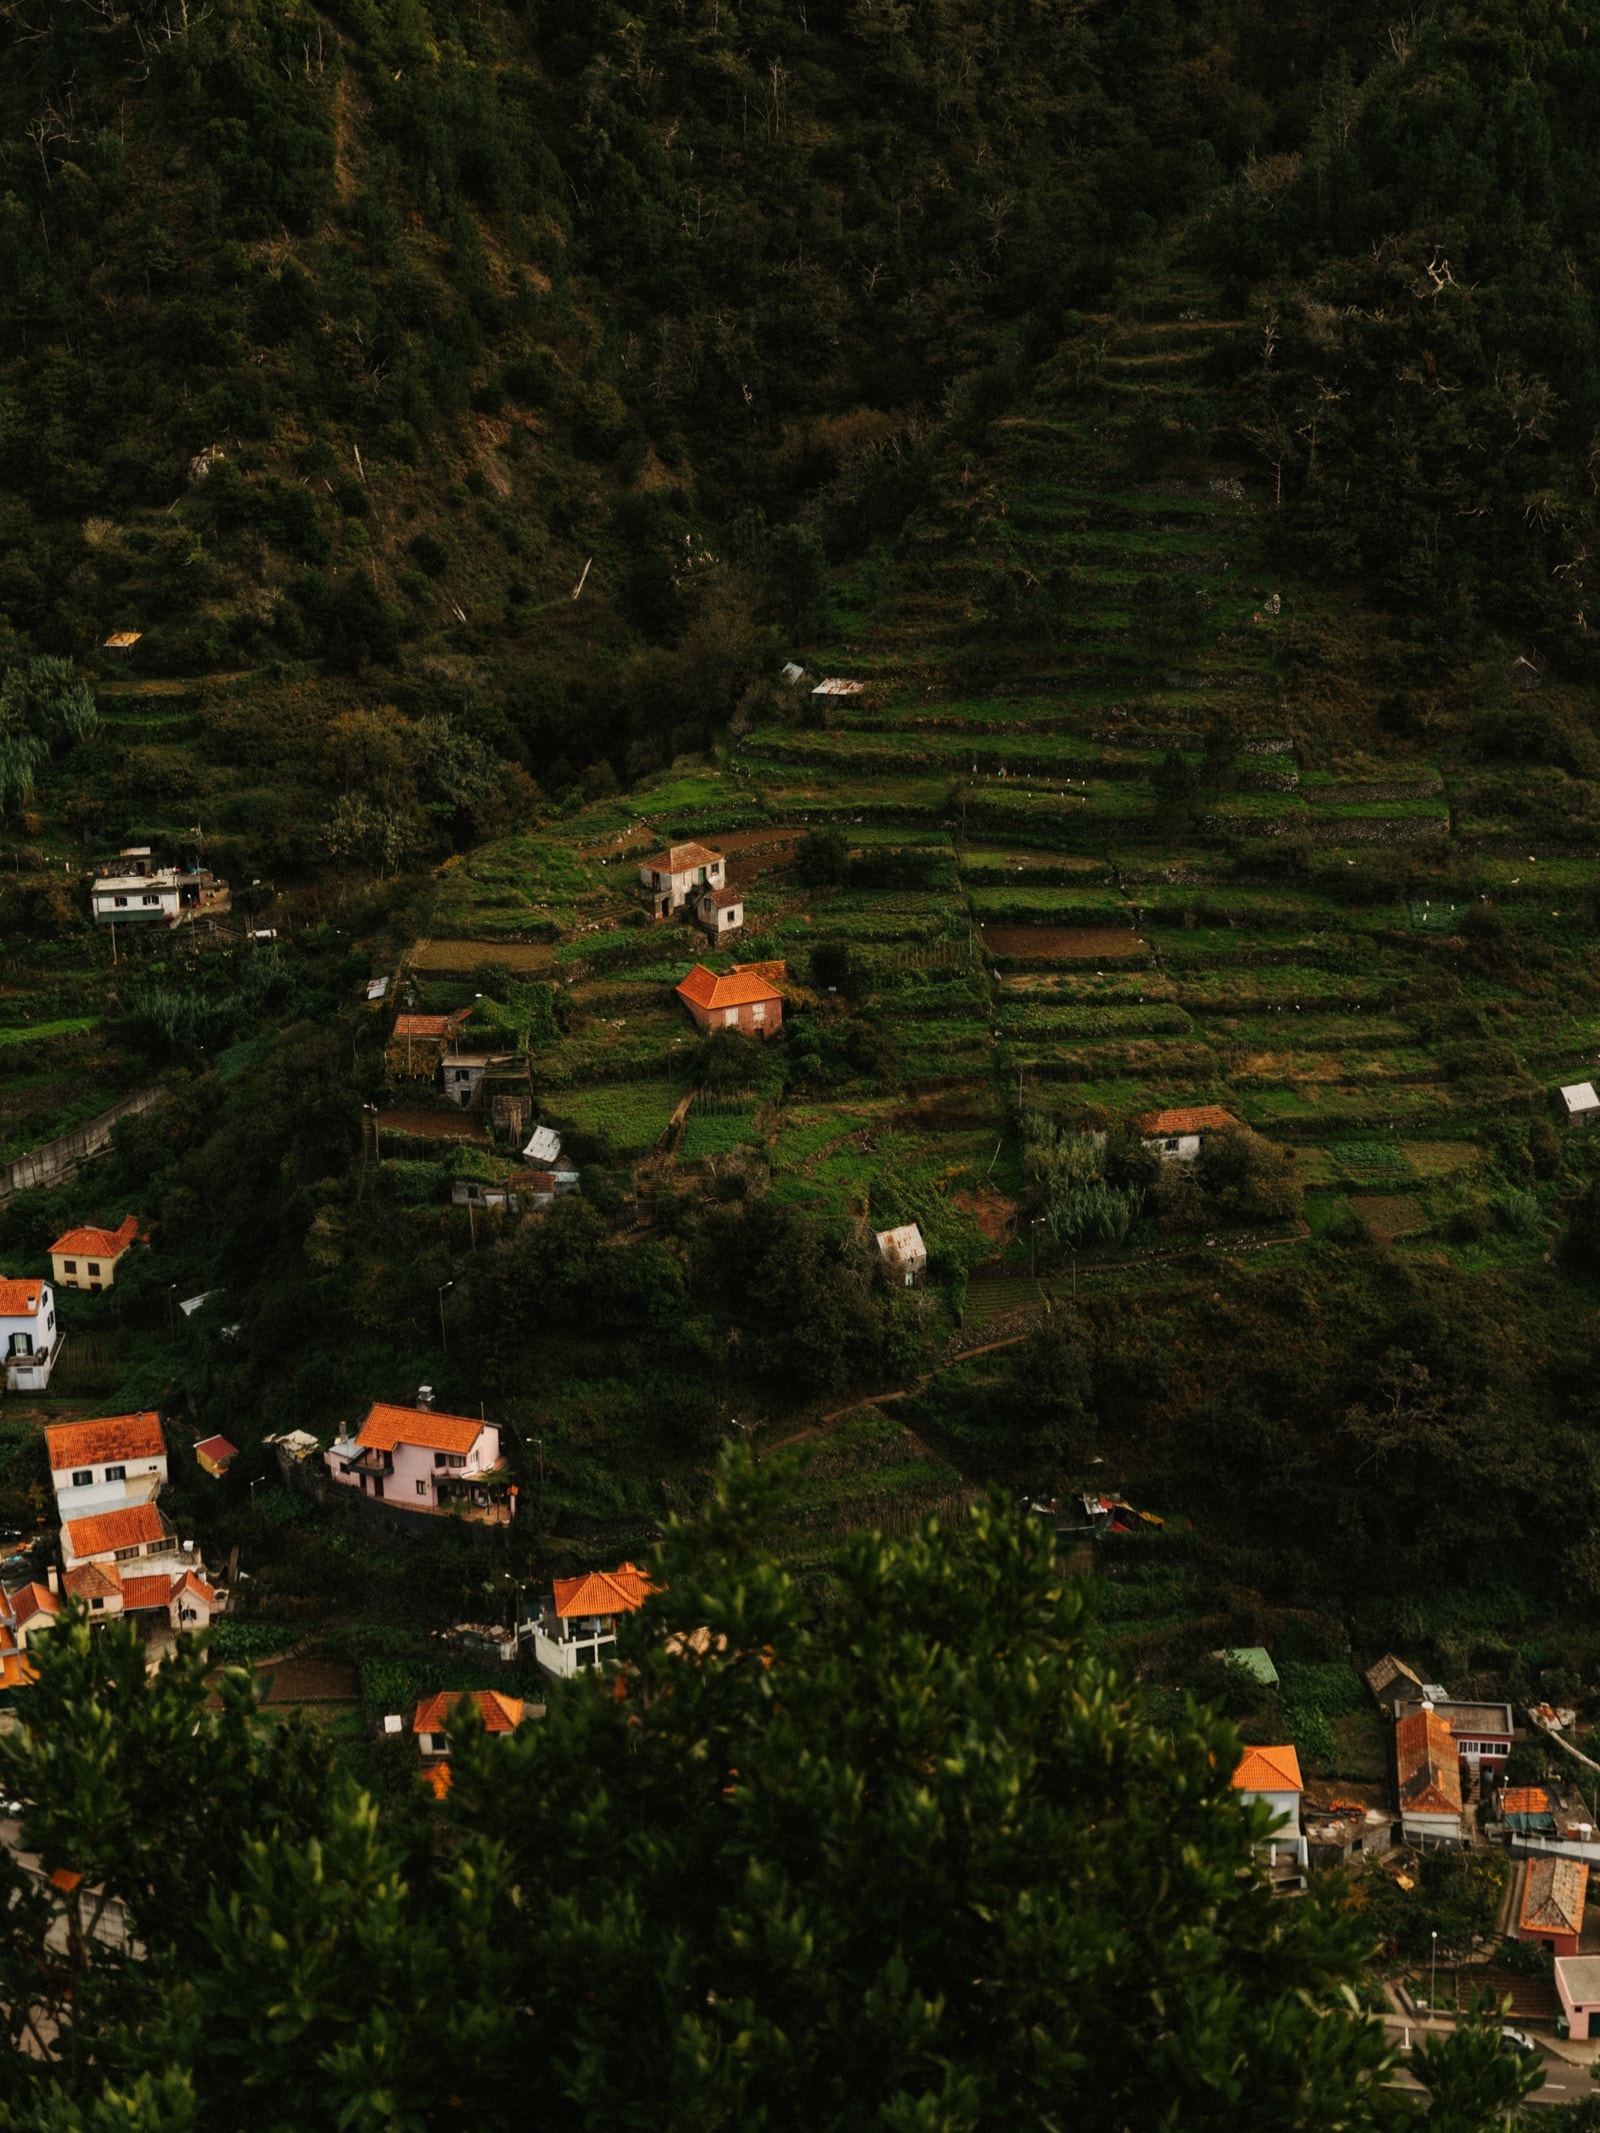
x=107, y=1437
x=1427, y=1764
x=430, y=1025
x=682, y=859
x=1201, y=1118
x=500, y=1714
x=740, y=988
x=385, y=1427
x=1524, y=1800
x=19, y=1299
x=93, y=1581
x=217, y=1449
x=1553, y=1896
x=1268, y=1770
x=603, y=1592
x=127, y=1528
x=99, y=1243
x=29, y=1601
x=150, y=1591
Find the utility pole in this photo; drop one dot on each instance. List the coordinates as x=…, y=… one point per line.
x=444, y=1339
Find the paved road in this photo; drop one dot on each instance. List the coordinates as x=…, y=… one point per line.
x=1563, y=2081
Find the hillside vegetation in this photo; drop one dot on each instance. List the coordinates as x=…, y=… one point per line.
x=1183, y=422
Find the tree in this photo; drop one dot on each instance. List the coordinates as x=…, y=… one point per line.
x=823, y=858
x=798, y=570
x=910, y=1856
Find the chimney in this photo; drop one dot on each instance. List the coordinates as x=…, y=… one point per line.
x=53, y=1578
x=424, y=1395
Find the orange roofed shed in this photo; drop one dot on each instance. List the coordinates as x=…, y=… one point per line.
x=747, y=999
x=1178, y=1133
x=500, y=1714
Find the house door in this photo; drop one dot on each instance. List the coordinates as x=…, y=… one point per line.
x=21, y=1344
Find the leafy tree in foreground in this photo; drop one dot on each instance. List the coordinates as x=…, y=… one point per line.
x=909, y=1859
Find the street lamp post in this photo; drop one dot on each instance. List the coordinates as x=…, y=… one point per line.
x=444, y=1339
x=1433, y=1976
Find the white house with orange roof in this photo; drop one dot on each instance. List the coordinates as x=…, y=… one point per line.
x=1272, y=1776
x=678, y=875
x=749, y=998
x=106, y=1463
x=578, y=1628
x=184, y=1598
x=416, y=1459
x=1176, y=1135
x=430, y=1721
x=28, y=1336
x=88, y=1258
x=135, y=1534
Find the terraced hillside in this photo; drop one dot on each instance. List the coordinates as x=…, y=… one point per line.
x=1126, y=831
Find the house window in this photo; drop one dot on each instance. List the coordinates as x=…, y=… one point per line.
x=438, y=1458
x=910, y=1279
x=22, y=1344
x=758, y=1012
x=116, y=1473
x=120, y=902
x=126, y=1555
x=154, y=1548
x=730, y=1016
x=150, y=899
x=94, y=1266
x=455, y=1459
x=94, y=1288
x=84, y=1479
x=69, y=1266
x=422, y=1488
x=97, y=1603
x=1171, y=1147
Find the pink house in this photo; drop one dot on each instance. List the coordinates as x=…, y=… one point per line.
x=414, y=1459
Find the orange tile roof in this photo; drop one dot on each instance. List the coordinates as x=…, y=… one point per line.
x=93, y=1581
x=30, y=1601
x=603, y=1592
x=500, y=1714
x=1268, y=1770
x=682, y=859
x=1553, y=1896
x=147, y=1591
x=191, y=1581
x=19, y=1299
x=386, y=1426
x=740, y=988
x=437, y=1779
x=1427, y=1765
x=1201, y=1118
x=99, y=1243
x=127, y=1528
x=217, y=1449
x=1524, y=1800
x=106, y=1437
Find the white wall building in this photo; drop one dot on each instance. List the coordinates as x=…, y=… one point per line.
x=106, y=1464
x=28, y=1337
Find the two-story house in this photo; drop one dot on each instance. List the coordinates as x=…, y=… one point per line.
x=415, y=1459
x=106, y=1464
x=141, y=1532
x=677, y=876
x=87, y=1258
x=1271, y=1776
x=578, y=1626
x=28, y=1333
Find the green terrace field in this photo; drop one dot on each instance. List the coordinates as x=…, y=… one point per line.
x=1103, y=854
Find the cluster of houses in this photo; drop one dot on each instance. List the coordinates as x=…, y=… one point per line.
x=30, y=1339
x=121, y=1556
